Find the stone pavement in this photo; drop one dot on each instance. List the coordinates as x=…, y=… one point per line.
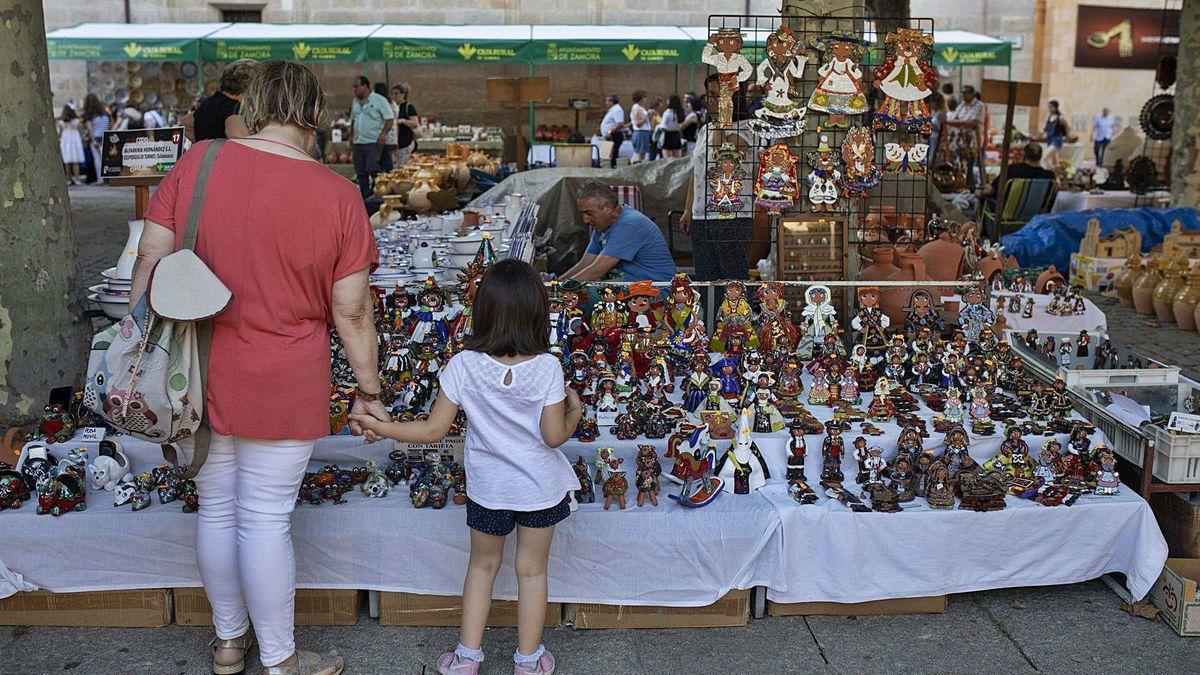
x=1062, y=629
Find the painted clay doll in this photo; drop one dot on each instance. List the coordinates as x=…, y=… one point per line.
x=725, y=181
x=695, y=385
x=903, y=479
x=563, y=326
x=684, y=320
x=432, y=317
x=723, y=52
x=939, y=490
x=777, y=335
x=608, y=316
x=648, y=471
x=980, y=410
x=860, y=363
x=906, y=79
x=860, y=456
x=715, y=400
x=796, y=452
x=881, y=408
x=975, y=314
x=655, y=385
x=767, y=418
x=859, y=172
x=832, y=450
x=742, y=467
x=639, y=299
x=839, y=89
x=776, y=186
x=870, y=324
x=921, y=312
x=733, y=318
x=790, y=384
x=819, y=319
x=956, y=452
x=607, y=396
x=468, y=285
x=611, y=476
x=876, y=467
x=586, y=494
x=780, y=116
x=1108, y=482
x=824, y=177
x=818, y=392
x=1049, y=467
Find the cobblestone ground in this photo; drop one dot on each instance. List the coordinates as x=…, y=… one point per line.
x=1162, y=341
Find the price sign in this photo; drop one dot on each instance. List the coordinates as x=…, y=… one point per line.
x=141, y=152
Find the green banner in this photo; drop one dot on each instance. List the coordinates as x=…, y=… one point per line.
x=102, y=49
x=606, y=52
x=950, y=54
x=447, y=51
x=322, y=49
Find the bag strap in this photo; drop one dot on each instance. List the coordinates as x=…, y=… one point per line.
x=203, y=435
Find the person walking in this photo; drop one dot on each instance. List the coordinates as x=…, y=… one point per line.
x=387, y=158
x=267, y=390
x=612, y=127
x=655, y=109
x=639, y=120
x=1054, y=134
x=1102, y=134
x=151, y=117
x=217, y=116
x=521, y=410
x=672, y=138
x=696, y=117
x=70, y=142
x=407, y=123
x=370, y=118
x=96, y=121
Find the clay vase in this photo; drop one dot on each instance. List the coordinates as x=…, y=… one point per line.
x=989, y=267
x=1185, y=302
x=1174, y=279
x=1126, y=277
x=882, y=264
x=893, y=298
x=1143, y=288
x=943, y=259
x=418, y=197
x=1051, y=274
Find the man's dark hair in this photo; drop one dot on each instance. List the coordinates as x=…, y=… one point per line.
x=1032, y=154
x=509, y=314
x=362, y=79
x=381, y=89
x=615, y=98
x=594, y=189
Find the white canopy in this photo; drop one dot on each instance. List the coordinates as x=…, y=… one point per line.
x=459, y=32
x=136, y=31
x=293, y=31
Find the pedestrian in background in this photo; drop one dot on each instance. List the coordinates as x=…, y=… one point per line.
x=1102, y=134
x=151, y=117
x=639, y=121
x=654, y=110
x=672, y=139
x=1054, y=134
x=370, y=118
x=407, y=123
x=612, y=127
x=70, y=142
x=695, y=118
x=96, y=121
x=218, y=115
x=387, y=159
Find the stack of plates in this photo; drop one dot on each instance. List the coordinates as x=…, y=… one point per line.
x=112, y=295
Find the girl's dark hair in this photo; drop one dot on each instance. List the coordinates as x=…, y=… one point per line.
x=92, y=107
x=509, y=314
x=68, y=113
x=674, y=104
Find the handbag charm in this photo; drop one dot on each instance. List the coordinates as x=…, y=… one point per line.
x=776, y=186
x=906, y=79
x=723, y=52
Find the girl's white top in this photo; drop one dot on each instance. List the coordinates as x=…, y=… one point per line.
x=508, y=464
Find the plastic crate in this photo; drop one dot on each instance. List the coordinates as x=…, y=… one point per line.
x=1074, y=376
x=1176, y=456
x=1126, y=441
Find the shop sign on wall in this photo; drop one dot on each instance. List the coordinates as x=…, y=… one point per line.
x=1119, y=37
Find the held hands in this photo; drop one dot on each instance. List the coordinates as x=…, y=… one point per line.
x=368, y=417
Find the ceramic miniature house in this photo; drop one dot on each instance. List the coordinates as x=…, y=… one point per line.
x=1119, y=244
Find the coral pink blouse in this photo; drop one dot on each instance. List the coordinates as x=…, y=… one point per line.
x=278, y=231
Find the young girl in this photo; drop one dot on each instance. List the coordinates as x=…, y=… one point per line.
x=519, y=410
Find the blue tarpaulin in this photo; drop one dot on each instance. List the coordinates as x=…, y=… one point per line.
x=1050, y=239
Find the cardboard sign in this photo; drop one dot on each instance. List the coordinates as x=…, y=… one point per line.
x=141, y=152
x=91, y=434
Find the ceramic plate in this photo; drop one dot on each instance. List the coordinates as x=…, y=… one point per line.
x=135, y=80
x=135, y=66
x=188, y=70
x=211, y=70
x=106, y=67
x=169, y=68
x=151, y=69
x=136, y=96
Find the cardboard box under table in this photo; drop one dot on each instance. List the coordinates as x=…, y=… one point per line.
x=934, y=604
x=314, y=607
x=1175, y=595
x=114, y=609
x=731, y=610
x=409, y=609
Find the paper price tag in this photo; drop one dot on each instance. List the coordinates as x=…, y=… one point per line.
x=92, y=434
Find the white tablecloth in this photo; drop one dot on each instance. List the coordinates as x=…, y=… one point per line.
x=1092, y=320
x=1108, y=199
x=664, y=555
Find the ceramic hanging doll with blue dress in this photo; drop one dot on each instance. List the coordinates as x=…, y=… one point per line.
x=906, y=79
x=780, y=116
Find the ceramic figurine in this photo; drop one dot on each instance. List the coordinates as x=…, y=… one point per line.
x=790, y=385
x=1081, y=344
x=57, y=425
x=124, y=492
x=725, y=178
x=903, y=478
x=695, y=385
x=143, y=484
x=13, y=490
x=905, y=158
x=906, y=78
x=884, y=499
x=860, y=455
x=36, y=465
x=607, y=396
x=723, y=52
x=802, y=492
x=776, y=187
x=832, y=450
x=627, y=427
x=106, y=471
x=586, y=494
x=715, y=400
x=819, y=320
x=742, y=467
x=64, y=493
x=839, y=91
x=1027, y=313
x=608, y=316
x=468, y=285
x=611, y=476
x=74, y=463
x=980, y=410
x=777, y=335
x=430, y=320
x=1049, y=467
x=818, y=393
x=870, y=324
x=563, y=326
x=796, y=452
x=640, y=298
x=983, y=492
x=824, y=178
x=1014, y=304
x=684, y=320
x=626, y=376
x=780, y=116
x=767, y=418
x=167, y=481
x=975, y=314
x=693, y=468
x=648, y=471
x=921, y=313
x=939, y=490
x=189, y=496
x=956, y=454
x=881, y=408
x=725, y=372
x=859, y=172
x=1108, y=481
x=836, y=491
x=1059, y=400
x=733, y=318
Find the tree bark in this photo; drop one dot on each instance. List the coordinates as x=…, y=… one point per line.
x=1185, y=148
x=43, y=336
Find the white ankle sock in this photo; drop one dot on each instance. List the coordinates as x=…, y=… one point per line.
x=531, y=660
x=467, y=653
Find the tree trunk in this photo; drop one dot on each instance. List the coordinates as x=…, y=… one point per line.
x=43, y=335
x=1185, y=148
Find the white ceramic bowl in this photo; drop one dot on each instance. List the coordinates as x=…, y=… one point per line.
x=104, y=293
x=113, y=309
x=111, y=275
x=468, y=244
x=460, y=260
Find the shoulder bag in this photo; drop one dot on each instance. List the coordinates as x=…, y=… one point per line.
x=146, y=373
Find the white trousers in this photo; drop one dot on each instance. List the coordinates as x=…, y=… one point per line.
x=247, y=492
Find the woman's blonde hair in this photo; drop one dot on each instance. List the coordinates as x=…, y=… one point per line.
x=281, y=92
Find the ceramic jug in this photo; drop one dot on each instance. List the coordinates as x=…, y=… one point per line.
x=1174, y=279
x=1186, y=300
x=1143, y=288
x=943, y=259
x=893, y=298
x=423, y=256
x=1126, y=276
x=418, y=196
x=882, y=264
x=129, y=253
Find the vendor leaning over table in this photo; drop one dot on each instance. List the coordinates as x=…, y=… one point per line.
x=625, y=244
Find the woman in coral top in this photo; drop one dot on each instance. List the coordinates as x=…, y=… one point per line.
x=291, y=240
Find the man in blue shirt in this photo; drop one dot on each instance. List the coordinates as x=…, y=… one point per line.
x=625, y=244
x=371, y=117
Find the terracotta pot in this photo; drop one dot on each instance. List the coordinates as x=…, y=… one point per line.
x=882, y=265
x=1143, y=288
x=990, y=266
x=943, y=258
x=1186, y=301
x=1174, y=280
x=1126, y=277
x=1050, y=275
x=893, y=299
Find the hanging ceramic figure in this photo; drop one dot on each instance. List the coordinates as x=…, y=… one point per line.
x=839, y=79
x=905, y=158
x=776, y=186
x=824, y=178
x=858, y=156
x=906, y=78
x=780, y=116
x=723, y=52
x=725, y=179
